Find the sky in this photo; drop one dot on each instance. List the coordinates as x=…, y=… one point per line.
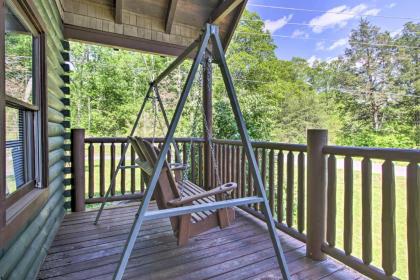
x=324, y=34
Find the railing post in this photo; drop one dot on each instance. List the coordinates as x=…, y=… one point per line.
x=78, y=169
x=317, y=193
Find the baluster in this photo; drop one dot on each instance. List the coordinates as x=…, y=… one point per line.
x=413, y=220
x=254, y=186
x=348, y=205
x=290, y=189
x=192, y=160
x=133, y=171
x=271, y=180
x=102, y=170
x=122, y=170
x=243, y=172
x=301, y=192
x=280, y=168
x=228, y=159
x=331, y=200
x=200, y=164
x=238, y=171
x=91, y=172
x=263, y=171
x=215, y=165
x=367, y=210
x=220, y=152
x=112, y=169
x=184, y=153
x=232, y=167
x=250, y=182
x=388, y=218
x=216, y=168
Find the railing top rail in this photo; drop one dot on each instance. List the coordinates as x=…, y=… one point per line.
x=106, y=140
x=407, y=155
x=256, y=144
x=266, y=145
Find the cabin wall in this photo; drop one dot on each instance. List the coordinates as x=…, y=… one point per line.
x=22, y=257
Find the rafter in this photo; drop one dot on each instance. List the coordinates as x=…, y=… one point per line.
x=224, y=9
x=118, y=11
x=235, y=21
x=170, y=16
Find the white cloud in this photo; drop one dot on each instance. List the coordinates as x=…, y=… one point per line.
x=372, y=12
x=339, y=43
x=299, y=34
x=274, y=25
x=396, y=32
x=311, y=61
x=339, y=17
x=391, y=5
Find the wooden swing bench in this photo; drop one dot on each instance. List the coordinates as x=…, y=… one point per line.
x=172, y=192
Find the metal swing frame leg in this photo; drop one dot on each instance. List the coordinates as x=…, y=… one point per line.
x=212, y=32
x=246, y=142
x=140, y=216
x=114, y=175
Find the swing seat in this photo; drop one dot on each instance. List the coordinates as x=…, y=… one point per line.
x=170, y=194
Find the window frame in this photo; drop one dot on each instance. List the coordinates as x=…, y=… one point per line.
x=19, y=207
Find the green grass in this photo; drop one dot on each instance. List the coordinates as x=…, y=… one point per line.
x=401, y=227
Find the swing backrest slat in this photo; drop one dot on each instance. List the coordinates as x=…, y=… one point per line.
x=166, y=189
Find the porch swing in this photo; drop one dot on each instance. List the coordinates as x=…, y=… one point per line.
x=174, y=189
x=153, y=161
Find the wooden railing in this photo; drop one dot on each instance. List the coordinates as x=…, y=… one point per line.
x=282, y=168
x=306, y=186
x=386, y=191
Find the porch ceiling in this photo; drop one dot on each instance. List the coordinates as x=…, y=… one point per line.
x=158, y=26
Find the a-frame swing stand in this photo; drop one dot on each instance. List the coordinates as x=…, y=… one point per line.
x=211, y=33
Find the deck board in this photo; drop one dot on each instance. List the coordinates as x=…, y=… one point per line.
x=242, y=251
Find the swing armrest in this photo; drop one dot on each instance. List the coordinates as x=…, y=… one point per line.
x=225, y=188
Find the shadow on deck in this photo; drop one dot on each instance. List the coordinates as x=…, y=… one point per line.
x=242, y=251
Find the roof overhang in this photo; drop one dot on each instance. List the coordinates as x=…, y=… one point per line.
x=164, y=27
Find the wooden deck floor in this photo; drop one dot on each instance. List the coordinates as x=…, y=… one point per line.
x=242, y=251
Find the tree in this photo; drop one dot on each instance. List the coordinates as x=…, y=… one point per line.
x=368, y=68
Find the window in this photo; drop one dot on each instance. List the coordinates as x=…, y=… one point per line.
x=22, y=111
x=22, y=118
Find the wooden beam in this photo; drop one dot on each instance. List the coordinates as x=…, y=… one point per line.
x=224, y=9
x=72, y=32
x=170, y=16
x=234, y=24
x=118, y=11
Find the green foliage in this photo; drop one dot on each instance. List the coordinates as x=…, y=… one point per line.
x=364, y=98
x=374, y=88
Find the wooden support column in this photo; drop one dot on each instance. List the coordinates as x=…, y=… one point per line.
x=78, y=169
x=317, y=193
x=207, y=127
